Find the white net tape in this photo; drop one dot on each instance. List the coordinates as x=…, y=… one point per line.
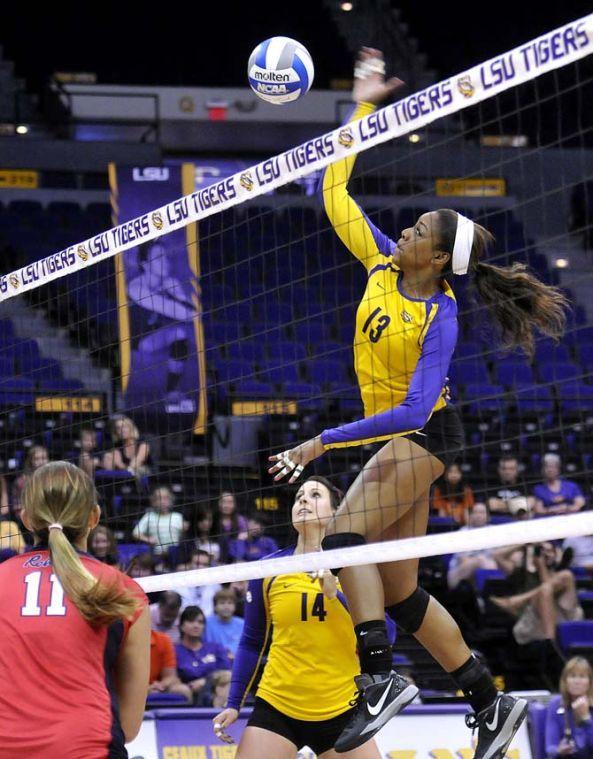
x=534, y=531
x=553, y=50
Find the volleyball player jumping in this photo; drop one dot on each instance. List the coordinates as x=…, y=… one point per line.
x=406, y=331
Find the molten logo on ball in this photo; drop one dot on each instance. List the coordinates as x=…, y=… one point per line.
x=280, y=70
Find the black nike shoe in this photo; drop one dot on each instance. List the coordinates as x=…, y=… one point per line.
x=379, y=699
x=497, y=725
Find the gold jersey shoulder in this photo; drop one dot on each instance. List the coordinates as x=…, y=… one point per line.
x=390, y=331
x=312, y=660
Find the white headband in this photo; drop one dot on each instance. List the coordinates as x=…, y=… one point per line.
x=464, y=239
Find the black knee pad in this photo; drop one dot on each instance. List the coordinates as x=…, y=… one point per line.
x=342, y=540
x=409, y=613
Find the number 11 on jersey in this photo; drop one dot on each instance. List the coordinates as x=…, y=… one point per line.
x=31, y=607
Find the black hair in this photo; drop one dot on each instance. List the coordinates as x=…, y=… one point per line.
x=335, y=494
x=170, y=598
x=190, y=613
x=518, y=302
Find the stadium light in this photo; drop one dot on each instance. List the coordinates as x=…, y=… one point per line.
x=414, y=137
x=22, y=129
x=561, y=263
x=346, y=6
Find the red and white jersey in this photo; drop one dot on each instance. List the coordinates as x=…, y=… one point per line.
x=57, y=678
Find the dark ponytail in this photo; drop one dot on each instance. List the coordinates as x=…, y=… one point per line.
x=518, y=302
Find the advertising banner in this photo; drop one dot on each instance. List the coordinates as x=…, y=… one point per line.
x=422, y=732
x=158, y=293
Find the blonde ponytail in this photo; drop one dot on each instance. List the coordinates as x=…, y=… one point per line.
x=62, y=495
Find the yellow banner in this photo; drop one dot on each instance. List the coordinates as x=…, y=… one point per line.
x=471, y=188
x=19, y=178
x=88, y=404
x=259, y=408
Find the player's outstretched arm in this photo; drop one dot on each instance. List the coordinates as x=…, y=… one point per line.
x=362, y=238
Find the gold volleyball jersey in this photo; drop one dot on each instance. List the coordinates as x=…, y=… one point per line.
x=311, y=661
x=391, y=327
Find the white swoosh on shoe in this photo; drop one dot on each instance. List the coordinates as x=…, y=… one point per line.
x=494, y=724
x=374, y=710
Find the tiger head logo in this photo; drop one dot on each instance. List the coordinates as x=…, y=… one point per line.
x=14, y=281
x=246, y=180
x=157, y=220
x=407, y=318
x=465, y=86
x=345, y=137
x=82, y=253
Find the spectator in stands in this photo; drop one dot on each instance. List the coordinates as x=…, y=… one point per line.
x=569, y=725
x=163, y=668
x=103, y=545
x=204, y=539
x=223, y=626
x=165, y=613
x=463, y=566
x=4, y=505
x=199, y=595
x=161, y=527
x=465, y=603
x=11, y=537
x=508, y=486
x=581, y=550
x=257, y=545
x=228, y=523
x=197, y=658
x=239, y=587
x=556, y=495
x=221, y=686
x=142, y=565
x=129, y=453
x=452, y=496
x=37, y=456
x=89, y=459
x=543, y=593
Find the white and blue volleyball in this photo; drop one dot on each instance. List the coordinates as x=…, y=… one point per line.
x=280, y=70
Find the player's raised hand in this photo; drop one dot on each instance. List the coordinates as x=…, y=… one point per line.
x=293, y=461
x=369, y=78
x=222, y=721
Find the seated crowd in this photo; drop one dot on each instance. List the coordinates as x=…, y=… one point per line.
x=196, y=630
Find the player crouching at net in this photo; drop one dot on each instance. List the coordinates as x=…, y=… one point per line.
x=74, y=632
x=304, y=697
x=406, y=331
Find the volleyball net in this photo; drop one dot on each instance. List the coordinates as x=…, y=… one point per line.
x=216, y=327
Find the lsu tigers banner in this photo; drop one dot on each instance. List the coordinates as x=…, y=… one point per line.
x=158, y=294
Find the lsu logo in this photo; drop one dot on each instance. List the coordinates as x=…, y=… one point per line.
x=157, y=220
x=82, y=253
x=406, y=317
x=151, y=174
x=465, y=86
x=246, y=180
x=14, y=281
x=345, y=137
